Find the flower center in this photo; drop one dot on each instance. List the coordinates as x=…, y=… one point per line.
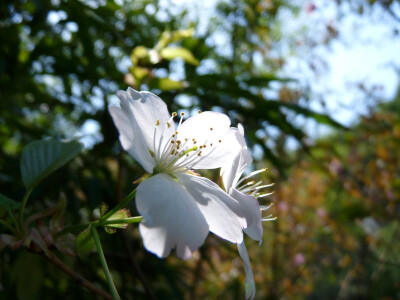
x=176, y=154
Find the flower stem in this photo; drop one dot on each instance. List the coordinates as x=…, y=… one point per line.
x=122, y=221
x=118, y=206
x=103, y=262
x=21, y=213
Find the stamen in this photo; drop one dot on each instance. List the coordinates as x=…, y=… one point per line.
x=174, y=114
x=243, y=187
x=265, y=207
x=251, y=175
x=265, y=195
x=269, y=218
x=157, y=122
x=199, y=111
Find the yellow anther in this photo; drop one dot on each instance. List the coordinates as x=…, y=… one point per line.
x=182, y=114
x=199, y=111
x=178, y=142
x=174, y=114
x=172, y=142
x=204, y=146
x=157, y=122
x=201, y=147
x=211, y=128
x=168, y=124
x=176, y=132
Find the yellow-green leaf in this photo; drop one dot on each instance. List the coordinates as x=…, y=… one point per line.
x=175, y=52
x=166, y=84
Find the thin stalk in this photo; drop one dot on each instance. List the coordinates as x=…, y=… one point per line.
x=21, y=213
x=68, y=229
x=103, y=262
x=118, y=206
x=122, y=221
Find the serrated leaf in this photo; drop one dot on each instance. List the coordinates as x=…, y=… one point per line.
x=119, y=215
x=175, y=52
x=8, y=204
x=85, y=242
x=41, y=158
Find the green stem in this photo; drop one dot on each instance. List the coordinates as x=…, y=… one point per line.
x=21, y=213
x=68, y=229
x=118, y=206
x=103, y=262
x=122, y=221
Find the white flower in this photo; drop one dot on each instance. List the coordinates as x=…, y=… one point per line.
x=178, y=208
x=246, y=194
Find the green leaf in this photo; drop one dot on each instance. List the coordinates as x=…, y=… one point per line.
x=8, y=204
x=166, y=84
x=175, y=52
x=85, y=242
x=41, y=158
x=168, y=37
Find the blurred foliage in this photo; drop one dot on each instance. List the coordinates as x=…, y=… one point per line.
x=61, y=63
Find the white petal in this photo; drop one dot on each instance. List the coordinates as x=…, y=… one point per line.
x=213, y=130
x=250, y=284
x=233, y=169
x=130, y=135
x=171, y=218
x=250, y=206
x=148, y=110
x=224, y=215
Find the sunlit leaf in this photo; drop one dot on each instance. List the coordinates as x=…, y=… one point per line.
x=171, y=53
x=166, y=84
x=41, y=158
